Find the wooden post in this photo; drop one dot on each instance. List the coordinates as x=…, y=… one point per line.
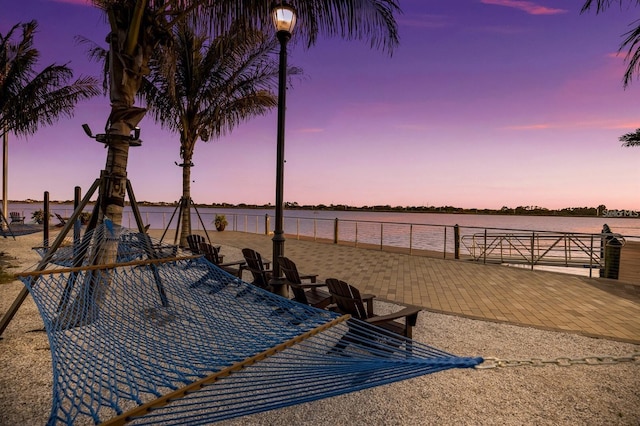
x=45, y=219
x=267, y=225
x=336, y=227
x=456, y=241
x=76, y=226
x=444, y=248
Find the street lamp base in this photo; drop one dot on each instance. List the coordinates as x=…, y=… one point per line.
x=279, y=287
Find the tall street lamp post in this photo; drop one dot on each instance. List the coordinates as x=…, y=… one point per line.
x=284, y=20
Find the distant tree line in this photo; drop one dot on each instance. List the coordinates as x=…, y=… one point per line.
x=520, y=210
x=505, y=210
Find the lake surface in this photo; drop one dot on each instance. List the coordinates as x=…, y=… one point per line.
x=432, y=232
x=253, y=219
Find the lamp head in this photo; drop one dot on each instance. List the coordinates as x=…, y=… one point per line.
x=87, y=130
x=284, y=17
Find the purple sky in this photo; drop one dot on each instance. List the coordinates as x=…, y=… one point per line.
x=486, y=103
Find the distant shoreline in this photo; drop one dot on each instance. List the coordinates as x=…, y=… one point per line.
x=517, y=211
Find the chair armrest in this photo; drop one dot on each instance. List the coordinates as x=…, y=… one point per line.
x=410, y=313
x=250, y=269
x=311, y=285
x=368, y=298
x=236, y=263
x=310, y=277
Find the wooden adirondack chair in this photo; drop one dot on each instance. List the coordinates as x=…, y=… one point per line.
x=16, y=217
x=258, y=268
x=307, y=293
x=212, y=254
x=194, y=241
x=348, y=300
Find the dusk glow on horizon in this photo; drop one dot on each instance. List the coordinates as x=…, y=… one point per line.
x=484, y=104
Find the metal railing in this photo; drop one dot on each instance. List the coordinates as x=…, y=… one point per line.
x=541, y=248
x=534, y=249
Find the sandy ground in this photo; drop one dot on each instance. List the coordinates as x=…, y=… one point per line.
x=525, y=395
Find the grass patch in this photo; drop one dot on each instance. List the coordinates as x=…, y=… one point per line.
x=6, y=277
x=5, y=264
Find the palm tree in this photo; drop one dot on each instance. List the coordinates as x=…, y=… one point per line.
x=632, y=44
x=138, y=27
x=29, y=99
x=203, y=90
x=631, y=139
x=631, y=41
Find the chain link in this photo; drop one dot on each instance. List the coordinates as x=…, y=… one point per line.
x=491, y=362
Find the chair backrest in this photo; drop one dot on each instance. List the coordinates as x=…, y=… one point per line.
x=194, y=241
x=290, y=271
x=210, y=252
x=347, y=298
x=255, y=265
x=15, y=217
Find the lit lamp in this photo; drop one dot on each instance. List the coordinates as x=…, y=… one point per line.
x=284, y=20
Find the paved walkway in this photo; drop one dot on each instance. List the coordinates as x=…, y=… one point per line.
x=553, y=301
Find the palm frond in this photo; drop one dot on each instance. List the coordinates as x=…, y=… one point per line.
x=29, y=99
x=631, y=42
x=630, y=139
x=372, y=20
x=99, y=54
x=602, y=5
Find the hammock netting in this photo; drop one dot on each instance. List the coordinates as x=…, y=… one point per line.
x=165, y=338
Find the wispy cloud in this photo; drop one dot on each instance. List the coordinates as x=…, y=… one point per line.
x=591, y=124
x=527, y=6
x=531, y=127
x=310, y=130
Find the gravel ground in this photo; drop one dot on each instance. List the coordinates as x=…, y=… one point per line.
x=526, y=395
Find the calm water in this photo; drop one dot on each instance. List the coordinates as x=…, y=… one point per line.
x=253, y=220
x=421, y=231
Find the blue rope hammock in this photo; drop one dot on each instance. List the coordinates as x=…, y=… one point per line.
x=176, y=340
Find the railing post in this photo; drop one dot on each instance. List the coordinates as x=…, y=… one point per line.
x=267, y=226
x=356, y=237
x=603, y=243
x=335, y=230
x=456, y=241
x=381, y=234
x=591, y=257
x=484, y=250
x=533, y=239
x=444, y=249
x=411, y=239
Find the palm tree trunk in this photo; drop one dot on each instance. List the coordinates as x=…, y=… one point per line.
x=185, y=220
x=125, y=78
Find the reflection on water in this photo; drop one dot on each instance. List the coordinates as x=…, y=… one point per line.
x=427, y=231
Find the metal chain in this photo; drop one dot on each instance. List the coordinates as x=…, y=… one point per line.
x=491, y=362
